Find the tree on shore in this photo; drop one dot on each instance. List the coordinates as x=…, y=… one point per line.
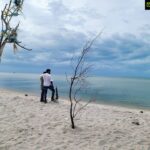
x=77, y=80
x=8, y=34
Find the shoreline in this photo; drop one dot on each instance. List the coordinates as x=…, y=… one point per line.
x=128, y=95
x=124, y=106
x=26, y=123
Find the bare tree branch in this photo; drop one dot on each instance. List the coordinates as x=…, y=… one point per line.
x=78, y=77
x=82, y=108
x=23, y=47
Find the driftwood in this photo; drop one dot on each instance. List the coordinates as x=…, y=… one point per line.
x=57, y=96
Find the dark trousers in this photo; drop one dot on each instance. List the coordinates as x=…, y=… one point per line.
x=43, y=98
x=45, y=88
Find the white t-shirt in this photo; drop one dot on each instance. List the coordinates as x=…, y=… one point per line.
x=47, y=79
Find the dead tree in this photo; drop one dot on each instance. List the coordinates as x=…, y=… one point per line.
x=8, y=32
x=80, y=69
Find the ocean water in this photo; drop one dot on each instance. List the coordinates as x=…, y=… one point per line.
x=134, y=92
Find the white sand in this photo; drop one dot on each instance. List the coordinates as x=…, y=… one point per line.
x=27, y=124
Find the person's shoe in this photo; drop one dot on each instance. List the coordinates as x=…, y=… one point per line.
x=54, y=100
x=45, y=101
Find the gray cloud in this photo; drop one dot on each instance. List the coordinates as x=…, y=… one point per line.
x=58, y=29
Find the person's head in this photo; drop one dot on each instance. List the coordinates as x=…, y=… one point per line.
x=48, y=71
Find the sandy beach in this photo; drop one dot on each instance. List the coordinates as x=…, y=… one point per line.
x=28, y=124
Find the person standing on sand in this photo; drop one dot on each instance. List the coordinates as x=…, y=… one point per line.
x=48, y=84
x=43, y=98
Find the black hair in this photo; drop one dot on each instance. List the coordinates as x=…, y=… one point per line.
x=48, y=70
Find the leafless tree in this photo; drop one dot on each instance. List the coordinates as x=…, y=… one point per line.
x=77, y=79
x=8, y=32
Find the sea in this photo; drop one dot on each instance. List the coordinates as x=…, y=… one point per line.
x=122, y=91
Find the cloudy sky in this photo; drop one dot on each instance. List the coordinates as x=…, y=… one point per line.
x=56, y=30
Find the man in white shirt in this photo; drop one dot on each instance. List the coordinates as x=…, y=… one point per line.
x=48, y=84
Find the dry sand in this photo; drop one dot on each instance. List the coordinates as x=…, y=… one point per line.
x=27, y=124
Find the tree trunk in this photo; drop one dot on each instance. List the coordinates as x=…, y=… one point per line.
x=2, y=48
x=72, y=118
x=71, y=105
